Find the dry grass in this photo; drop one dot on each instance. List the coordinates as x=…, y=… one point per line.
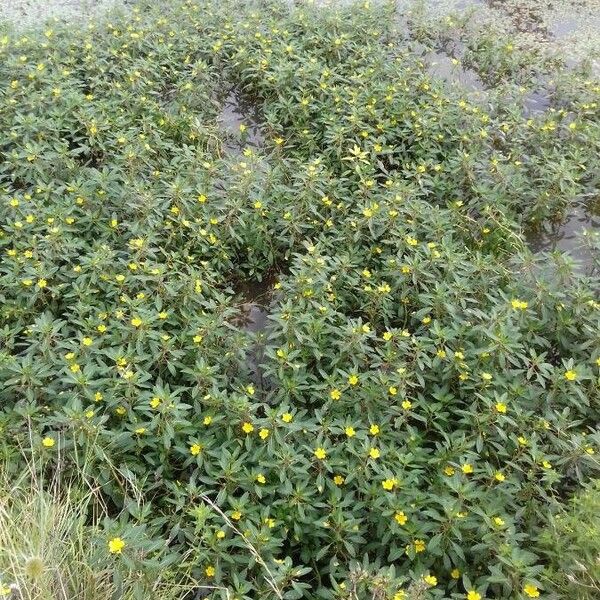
x=50, y=548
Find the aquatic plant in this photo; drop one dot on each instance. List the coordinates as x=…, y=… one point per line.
x=423, y=393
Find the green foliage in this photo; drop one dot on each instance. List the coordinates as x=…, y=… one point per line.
x=426, y=389
x=571, y=542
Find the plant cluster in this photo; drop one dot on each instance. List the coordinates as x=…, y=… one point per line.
x=425, y=393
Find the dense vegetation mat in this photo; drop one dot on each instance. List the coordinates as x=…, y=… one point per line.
x=424, y=393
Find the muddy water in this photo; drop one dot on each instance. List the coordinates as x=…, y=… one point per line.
x=237, y=112
x=569, y=236
x=536, y=102
x=255, y=298
x=444, y=67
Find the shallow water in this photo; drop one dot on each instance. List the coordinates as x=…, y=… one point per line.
x=441, y=66
x=237, y=111
x=255, y=297
x=255, y=301
x=568, y=235
x=536, y=102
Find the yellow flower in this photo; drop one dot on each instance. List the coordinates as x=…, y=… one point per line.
x=136, y=321
x=116, y=545
x=392, y=391
x=449, y=470
x=210, y=571
x=75, y=368
x=353, y=379
x=320, y=453
x=87, y=341
x=500, y=407
x=220, y=534
x=247, y=427
x=263, y=433
x=387, y=336
x=486, y=376
x=207, y=420
x=101, y=328
x=499, y=476
x=349, y=431
x=473, y=595
x=260, y=478
x=498, y=522
x=98, y=396
x=389, y=484
x=406, y=404
x=338, y=480
x=374, y=453
x=467, y=468
x=401, y=518
x=570, y=375
x=518, y=304
x=531, y=590
x=42, y=283
x=335, y=394
x=250, y=390
x=195, y=449
x=374, y=429
x=430, y=580
x=546, y=464
x=155, y=402
x=236, y=515
x=455, y=573
x=286, y=417
x=419, y=546
x=400, y=595
x=48, y=442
